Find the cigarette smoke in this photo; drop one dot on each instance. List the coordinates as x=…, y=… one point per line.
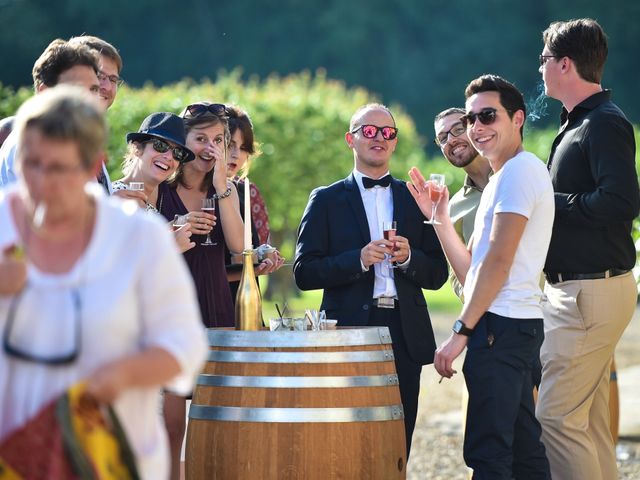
x=537, y=106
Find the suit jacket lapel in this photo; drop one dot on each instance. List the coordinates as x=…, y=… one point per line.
x=398, y=190
x=355, y=201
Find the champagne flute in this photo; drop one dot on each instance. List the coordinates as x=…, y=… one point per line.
x=208, y=206
x=436, y=188
x=388, y=231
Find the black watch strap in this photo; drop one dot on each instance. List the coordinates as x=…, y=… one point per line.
x=461, y=328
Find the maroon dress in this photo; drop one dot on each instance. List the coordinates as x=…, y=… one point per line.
x=206, y=263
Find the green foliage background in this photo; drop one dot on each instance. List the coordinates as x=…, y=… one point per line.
x=417, y=53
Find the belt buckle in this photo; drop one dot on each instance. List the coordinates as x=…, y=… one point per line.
x=384, y=302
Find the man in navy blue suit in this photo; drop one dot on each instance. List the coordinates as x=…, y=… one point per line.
x=341, y=249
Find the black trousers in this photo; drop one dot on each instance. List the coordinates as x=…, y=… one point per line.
x=408, y=370
x=502, y=438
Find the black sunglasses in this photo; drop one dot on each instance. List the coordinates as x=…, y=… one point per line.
x=161, y=146
x=62, y=359
x=198, y=109
x=371, y=131
x=443, y=137
x=486, y=116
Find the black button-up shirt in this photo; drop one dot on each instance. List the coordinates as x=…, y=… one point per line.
x=592, y=167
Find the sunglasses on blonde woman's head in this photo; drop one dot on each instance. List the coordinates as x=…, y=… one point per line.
x=486, y=116
x=161, y=146
x=199, y=109
x=371, y=131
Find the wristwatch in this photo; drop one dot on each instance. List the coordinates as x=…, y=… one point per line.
x=461, y=328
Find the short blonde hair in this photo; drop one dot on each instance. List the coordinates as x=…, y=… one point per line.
x=66, y=112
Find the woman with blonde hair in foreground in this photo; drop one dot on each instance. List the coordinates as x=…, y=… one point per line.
x=106, y=300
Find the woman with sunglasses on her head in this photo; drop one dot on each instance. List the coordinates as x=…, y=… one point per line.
x=106, y=300
x=205, y=177
x=241, y=148
x=153, y=155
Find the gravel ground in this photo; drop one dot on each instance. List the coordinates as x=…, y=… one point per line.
x=436, y=452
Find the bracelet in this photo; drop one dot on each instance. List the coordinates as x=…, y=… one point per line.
x=218, y=196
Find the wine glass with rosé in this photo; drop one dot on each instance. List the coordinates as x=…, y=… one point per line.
x=208, y=206
x=388, y=231
x=436, y=189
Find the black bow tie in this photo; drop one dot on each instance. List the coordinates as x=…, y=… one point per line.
x=370, y=182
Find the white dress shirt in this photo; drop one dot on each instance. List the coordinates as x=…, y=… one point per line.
x=378, y=205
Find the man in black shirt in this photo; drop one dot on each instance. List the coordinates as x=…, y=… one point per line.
x=590, y=290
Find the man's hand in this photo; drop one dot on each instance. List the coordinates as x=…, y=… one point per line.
x=374, y=252
x=448, y=352
x=401, y=249
x=419, y=189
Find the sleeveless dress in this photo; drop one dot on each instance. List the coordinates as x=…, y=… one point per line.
x=206, y=263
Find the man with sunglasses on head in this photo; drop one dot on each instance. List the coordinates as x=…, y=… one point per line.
x=590, y=290
x=341, y=249
x=451, y=137
x=501, y=320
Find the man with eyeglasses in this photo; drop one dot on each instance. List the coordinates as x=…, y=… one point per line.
x=451, y=137
x=341, y=249
x=590, y=290
x=108, y=77
x=501, y=321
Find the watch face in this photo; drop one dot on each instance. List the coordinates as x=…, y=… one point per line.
x=459, y=327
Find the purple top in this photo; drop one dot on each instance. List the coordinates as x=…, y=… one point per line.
x=206, y=263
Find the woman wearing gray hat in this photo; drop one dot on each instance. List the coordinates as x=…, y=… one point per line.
x=153, y=155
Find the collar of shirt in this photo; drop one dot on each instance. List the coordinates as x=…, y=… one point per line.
x=469, y=186
x=585, y=106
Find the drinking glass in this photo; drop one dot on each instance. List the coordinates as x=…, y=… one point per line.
x=436, y=188
x=178, y=221
x=388, y=231
x=136, y=186
x=208, y=206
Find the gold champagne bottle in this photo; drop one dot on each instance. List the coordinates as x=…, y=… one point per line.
x=248, y=299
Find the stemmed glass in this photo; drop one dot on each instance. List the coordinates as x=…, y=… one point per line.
x=388, y=231
x=208, y=206
x=436, y=188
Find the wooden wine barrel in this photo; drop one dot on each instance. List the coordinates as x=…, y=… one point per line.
x=297, y=405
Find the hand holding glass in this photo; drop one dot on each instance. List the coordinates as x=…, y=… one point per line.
x=388, y=231
x=436, y=189
x=208, y=206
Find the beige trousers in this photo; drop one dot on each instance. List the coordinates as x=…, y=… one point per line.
x=583, y=321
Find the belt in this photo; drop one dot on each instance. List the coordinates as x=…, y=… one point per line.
x=385, y=302
x=565, y=277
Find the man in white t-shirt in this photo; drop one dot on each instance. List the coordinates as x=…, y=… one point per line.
x=501, y=321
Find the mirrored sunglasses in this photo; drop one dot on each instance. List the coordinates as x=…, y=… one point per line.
x=371, y=131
